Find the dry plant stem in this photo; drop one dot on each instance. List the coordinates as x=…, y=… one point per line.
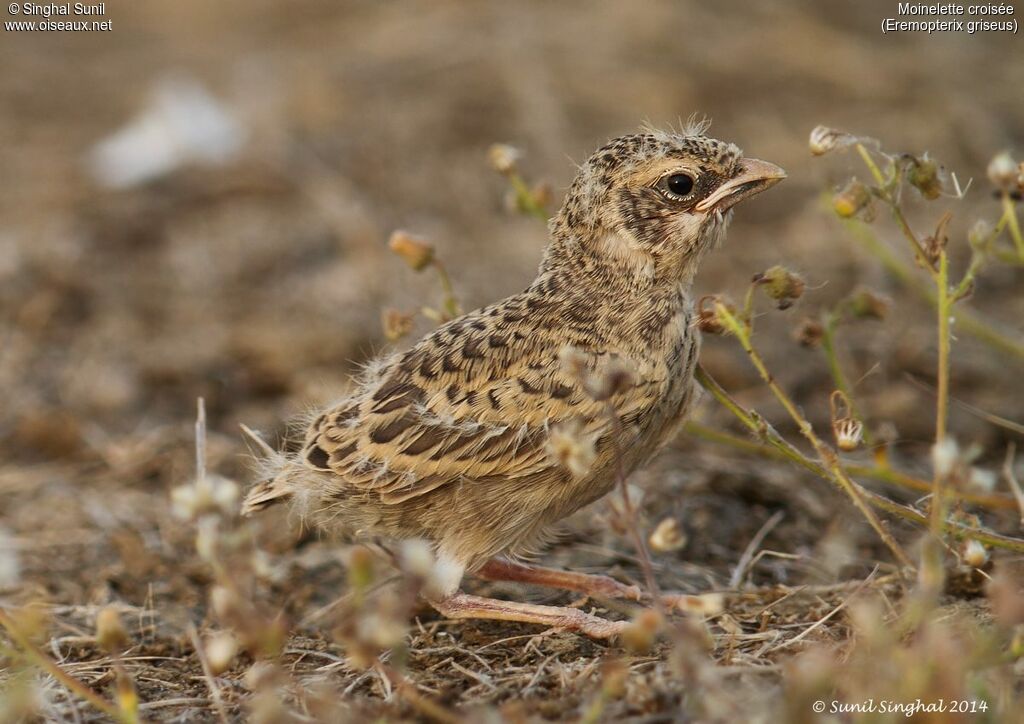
x=827, y=457
x=211, y=682
x=943, y=307
x=48, y=665
x=967, y=321
x=875, y=472
x=634, y=527
x=1011, y=479
x=424, y=705
x=759, y=427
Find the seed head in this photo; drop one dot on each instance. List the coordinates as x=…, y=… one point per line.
x=642, y=632
x=1003, y=171
x=809, y=333
x=824, y=139
x=396, y=324
x=572, y=447
x=503, y=158
x=668, y=536
x=980, y=235
x=781, y=285
x=614, y=377
x=973, y=553
x=854, y=197
x=110, y=631
x=926, y=176
x=418, y=253
x=708, y=320
x=220, y=650
x=848, y=433
x=866, y=304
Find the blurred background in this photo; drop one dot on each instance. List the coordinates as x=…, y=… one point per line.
x=198, y=202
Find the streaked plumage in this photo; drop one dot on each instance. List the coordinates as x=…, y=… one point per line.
x=448, y=441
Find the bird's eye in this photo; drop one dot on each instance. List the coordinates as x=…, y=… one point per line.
x=678, y=184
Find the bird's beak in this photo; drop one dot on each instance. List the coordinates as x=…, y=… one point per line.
x=754, y=177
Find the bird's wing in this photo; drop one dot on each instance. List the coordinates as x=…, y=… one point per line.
x=476, y=398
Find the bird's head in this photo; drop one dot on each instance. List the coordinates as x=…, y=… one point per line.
x=657, y=200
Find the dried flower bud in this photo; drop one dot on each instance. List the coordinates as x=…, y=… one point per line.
x=981, y=479
x=974, y=553
x=848, y=433
x=707, y=604
x=945, y=456
x=208, y=494
x=824, y=139
x=616, y=376
x=414, y=251
x=854, y=197
x=360, y=569
x=781, y=285
x=503, y=158
x=572, y=447
x=417, y=558
x=111, y=634
x=220, y=650
x=668, y=536
x=980, y=235
x=542, y=194
x=614, y=675
x=866, y=304
x=642, y=632
x=1003, y=171
x=396, y=324
x=809, y=333
x=935, y=244
x=575, y=362
x=926, y=176
x=708, y=320
x=225, y=603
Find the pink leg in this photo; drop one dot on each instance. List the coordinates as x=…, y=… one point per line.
x=498, y=569
x=463, y=605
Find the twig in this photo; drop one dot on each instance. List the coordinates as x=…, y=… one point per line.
x=874, y=472
x=211, y=683
x=967, y=321
x=424, y=705
x=827, y=457
x=761, y=428
x=755, y=543
x=1011, y=479
x=48, y=665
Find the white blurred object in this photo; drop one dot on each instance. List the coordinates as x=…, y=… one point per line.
x=181, y=124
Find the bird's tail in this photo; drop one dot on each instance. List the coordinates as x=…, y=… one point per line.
x=276, y=471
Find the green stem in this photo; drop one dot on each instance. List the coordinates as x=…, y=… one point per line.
x=759, y=427
x=966, y=321
x=880, y=473
x=825, y=455
x=1010, y=214
x=525, y=198
x=44, y=662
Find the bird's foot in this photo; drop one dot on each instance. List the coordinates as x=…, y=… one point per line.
x=463, y=605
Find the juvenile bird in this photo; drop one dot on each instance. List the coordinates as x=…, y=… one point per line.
x=511, y=417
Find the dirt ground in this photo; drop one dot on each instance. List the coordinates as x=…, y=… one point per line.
x=258, y=282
